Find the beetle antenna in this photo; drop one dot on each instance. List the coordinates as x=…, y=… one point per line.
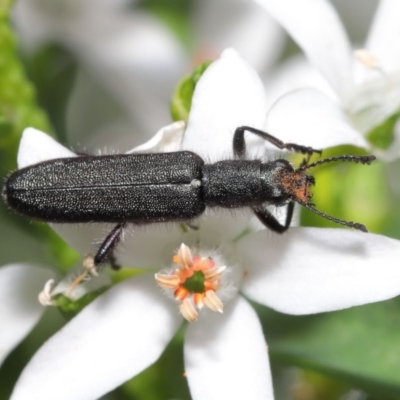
x=357, y=159
x=350, y=224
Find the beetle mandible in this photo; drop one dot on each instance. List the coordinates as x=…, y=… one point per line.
x=164, y=187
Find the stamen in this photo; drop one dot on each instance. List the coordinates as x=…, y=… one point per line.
x=45, y=297
x=89, y=269
x=181, y=293
x=185, y=259
x=211, y=285
x=198, y=299
x=214, y=272
x=167, y=281
x=213, y=302
x=367, y=59
x=203, y=263
x=188, y=311
x=89, y=266
x=76, y=282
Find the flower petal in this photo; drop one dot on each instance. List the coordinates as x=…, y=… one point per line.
x=20, y=310
x=111, y=340
x=224, y=224
x=153, y=246
x=315, y=26
x=311, y=270
x=37, y=146
x=293, y=74
x=384, y=36
x=167, y=139
x=228, y=95
x=315, y=120
x=226, y=355
x=140, y=247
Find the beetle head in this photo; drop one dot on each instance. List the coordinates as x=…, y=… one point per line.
x=294, y=185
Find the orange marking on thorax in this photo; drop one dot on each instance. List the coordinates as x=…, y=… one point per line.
x=296, y=184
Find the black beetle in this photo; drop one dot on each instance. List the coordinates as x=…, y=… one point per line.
x=164, y=187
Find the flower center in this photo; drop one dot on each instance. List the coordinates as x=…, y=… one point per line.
x=194, y=280
x=195, y=283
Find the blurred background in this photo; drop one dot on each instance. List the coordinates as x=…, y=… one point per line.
x=98, y=75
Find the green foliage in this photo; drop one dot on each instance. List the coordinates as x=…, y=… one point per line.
x=382, y=136
x=52, y=69
x=181, y=101
x=69, y=308
x=358, y=346
x=314, y=386
x=12, y=367
x=18, y=108
x=164, y=380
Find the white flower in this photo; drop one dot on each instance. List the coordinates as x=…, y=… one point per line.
x=19, y=308
x=304, y=271
x=364, y=84
x=130, y=62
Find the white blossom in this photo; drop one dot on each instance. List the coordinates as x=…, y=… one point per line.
x=306, y=270
x=359, y=89
x=19, y=308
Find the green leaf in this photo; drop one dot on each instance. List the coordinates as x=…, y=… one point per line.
x=52, y=69
x=124, y=273
x=69, y=308
x=359, y=346
x=18, y=107
x=181, y=101
x=165, y=379
x=5, y=6
x=382, y=136
x=314, y=386
x=11, y=370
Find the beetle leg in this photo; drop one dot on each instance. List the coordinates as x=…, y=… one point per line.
x=267, y=219
x=106, y=249
x=239, y=145
x=305, y=161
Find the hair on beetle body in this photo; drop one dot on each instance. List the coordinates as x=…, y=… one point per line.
x=165, y=187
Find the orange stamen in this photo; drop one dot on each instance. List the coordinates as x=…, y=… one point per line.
x=181, y=293
x=188, y=311
x=198, y=299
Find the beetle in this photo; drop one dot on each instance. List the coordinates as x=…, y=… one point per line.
x=165, y=187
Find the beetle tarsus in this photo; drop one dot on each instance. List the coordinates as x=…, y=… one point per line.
x=239, y=145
